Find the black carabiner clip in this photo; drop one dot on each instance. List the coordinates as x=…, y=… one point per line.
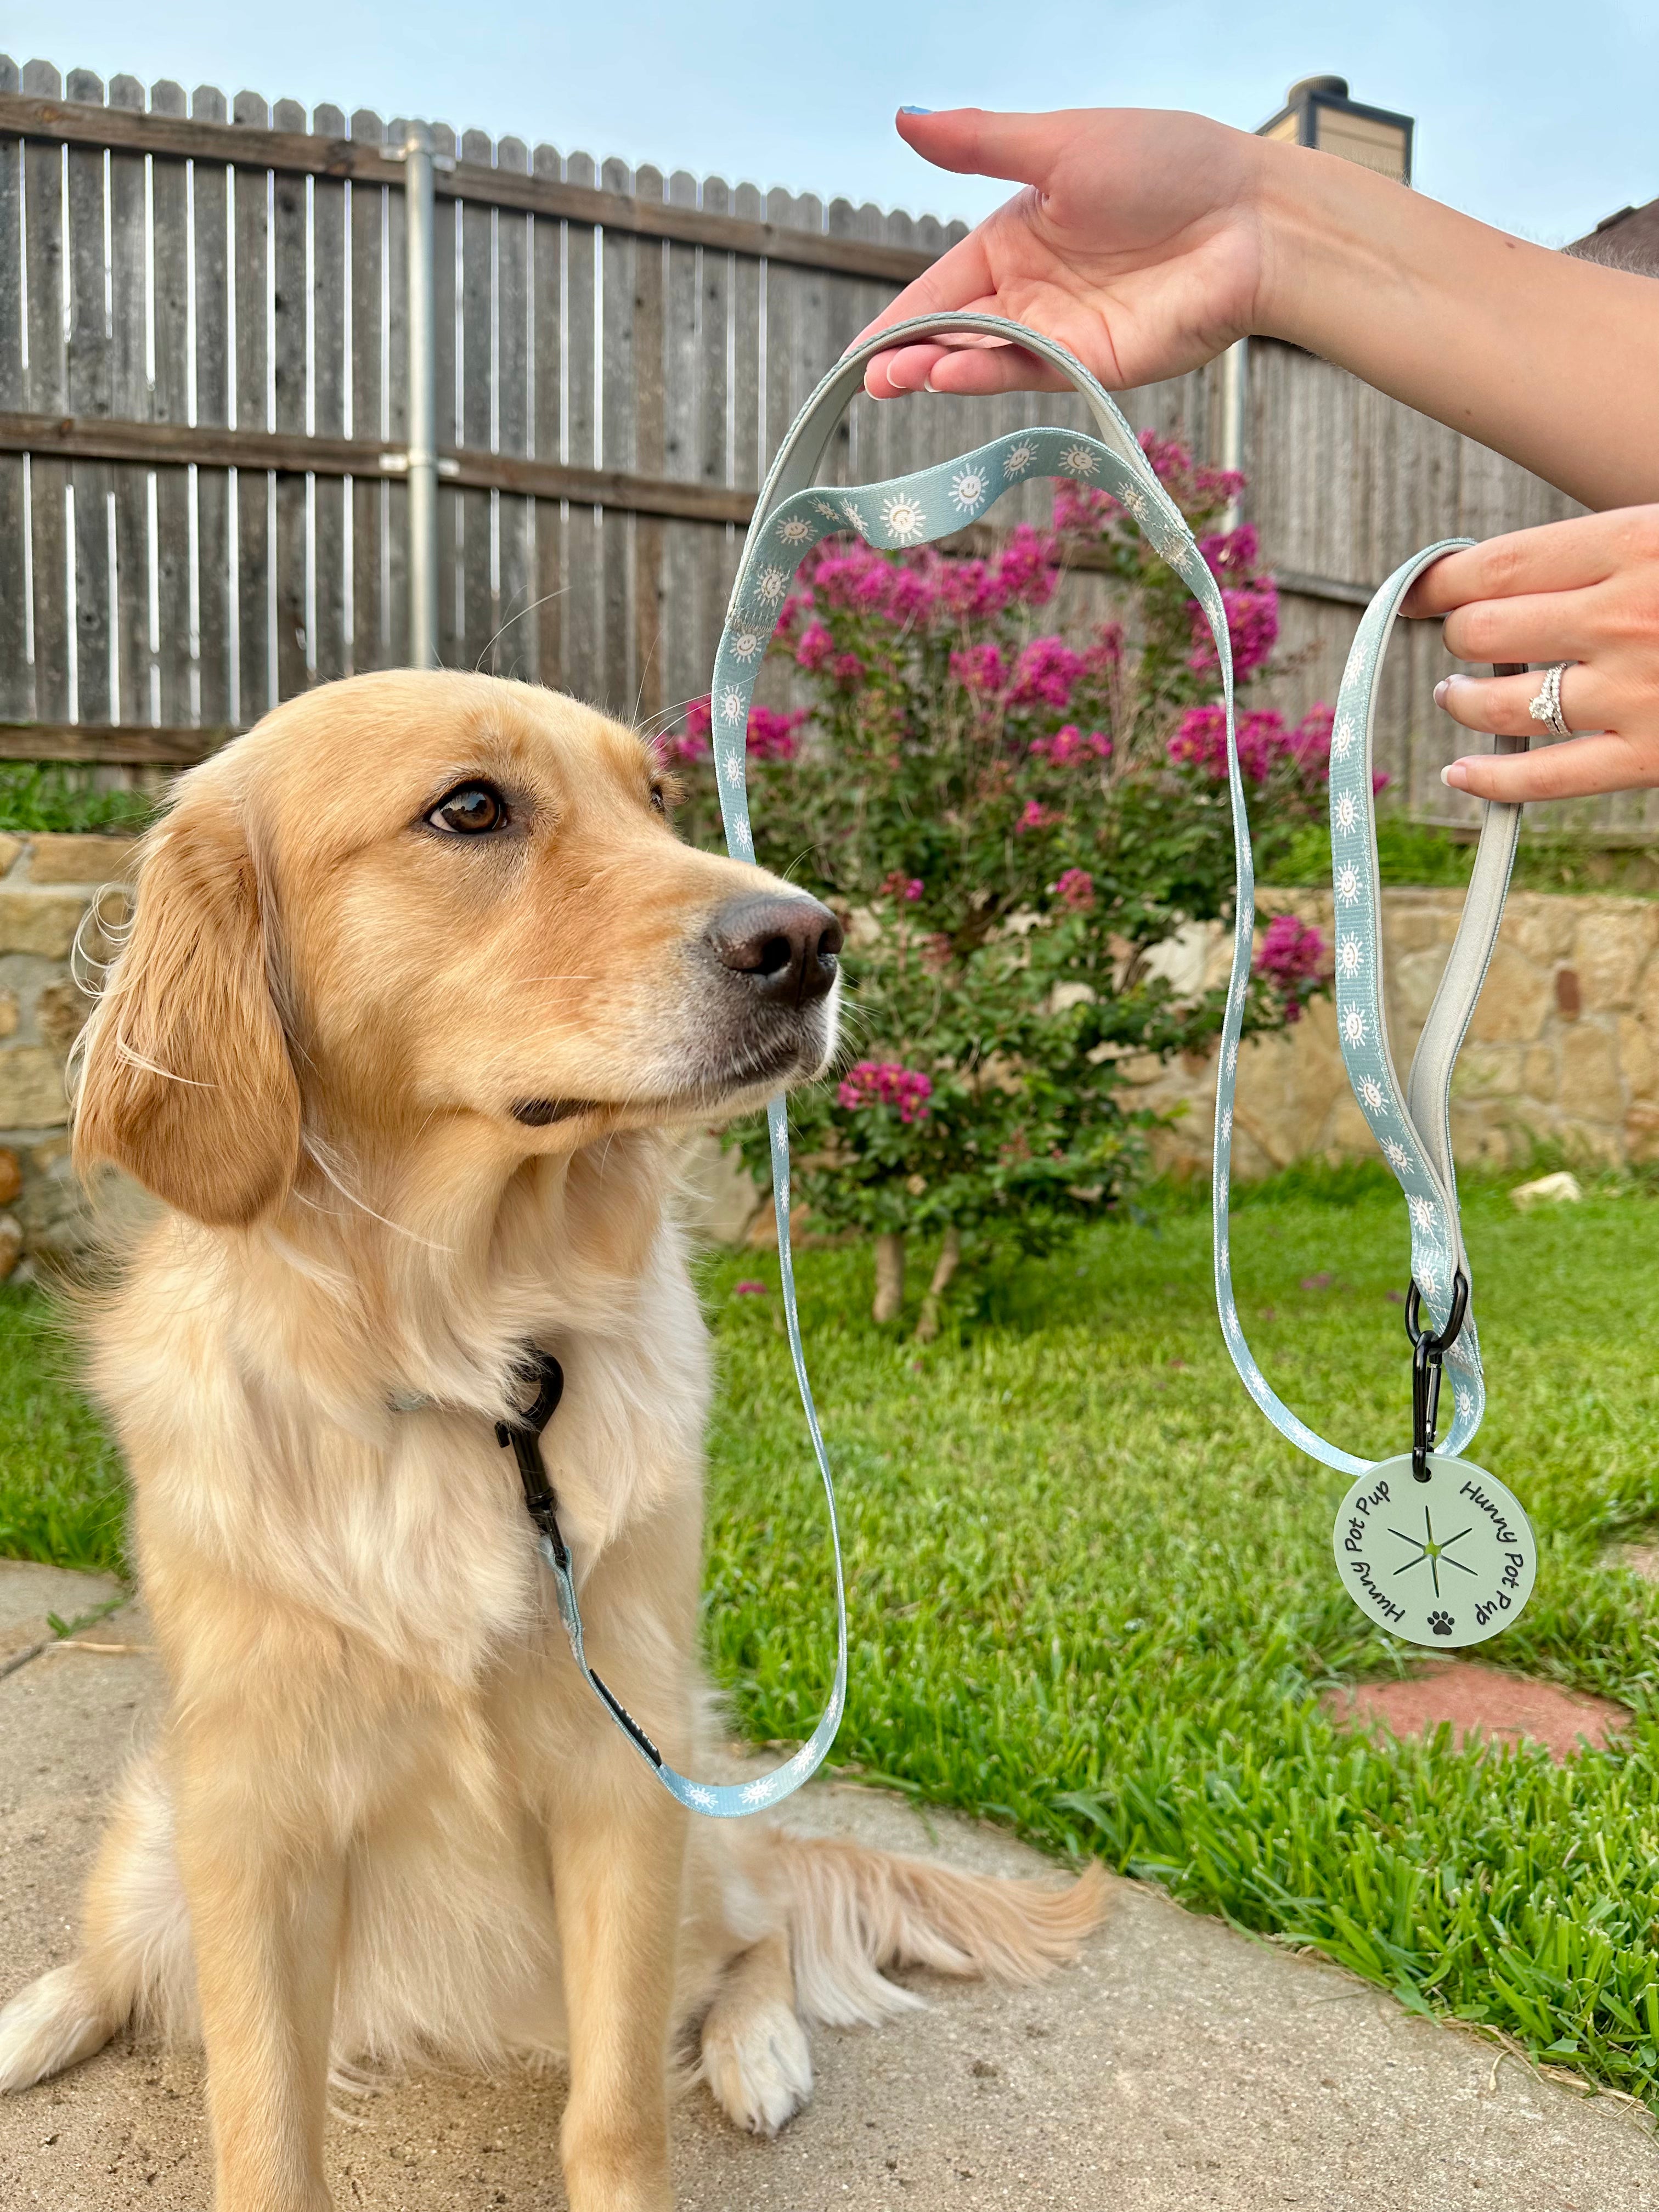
x=522, y=1435
x=1428, y=1351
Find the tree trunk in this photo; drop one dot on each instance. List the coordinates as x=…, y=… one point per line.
x=890, y=1277
x=950, y=1259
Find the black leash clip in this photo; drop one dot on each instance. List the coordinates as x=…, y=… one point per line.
x=1428, y=1351
x=523, y=1434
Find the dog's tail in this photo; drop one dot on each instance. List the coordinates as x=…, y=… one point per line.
x=54, y=2023
x=853, y=1911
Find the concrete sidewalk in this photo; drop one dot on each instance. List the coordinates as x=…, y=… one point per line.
x=1179, y=2068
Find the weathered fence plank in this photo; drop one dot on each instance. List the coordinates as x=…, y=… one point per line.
x=475, y=369
x=251, y=305
x=88, y=381
x=47, y=394
x=330, y=341
x=512, y=637
x=133, y=641
x=173, y=702
x=366, y=341
x=16, y=676
x=545, y=621
x=218, y=685
x=584, y=572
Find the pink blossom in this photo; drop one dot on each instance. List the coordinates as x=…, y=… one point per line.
x=1027, y=572
x=884, y=1083
x=1252, y=623
x=1292, y=952
x=692, y=742
x=1231, y=554
x=847, y=668
x=900, y=886
x=1075, y=888
x=1080, y=513
x=1047, y=671
x=1200, y=740
x=749, y=1290
x=771, y=736
x=793, y=607
x=1036, y=816
x=979, y=667
x=1068, y=745
x=1170, y=458
x=815, y=647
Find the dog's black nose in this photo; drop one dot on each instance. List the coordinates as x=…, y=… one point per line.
x=784, y=948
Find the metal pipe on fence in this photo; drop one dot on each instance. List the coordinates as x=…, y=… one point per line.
x=1235, y=375
x=423, y=401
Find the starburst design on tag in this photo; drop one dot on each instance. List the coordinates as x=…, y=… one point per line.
x=1350, y=955
x=1134, y=502
x=1434, y=1552
x=701, y=1796
x=748, y=644
x=771, y=584
x=1229, y=1318
x=968, y=490
x=756, y=1793
x=1344, y=737
x=855, y=517
x=903, y=517
x=1354, y=1026
x=1345, y=813
x=1396, y=1155
x=1347, y=883
x=732, y=770
x=1018, y=458
x=1372, y=1096
x=1221, y=1258
x=1078, y=461
x=1226, y=1123
x=1424, y=1213
x=732, y=703
x=1233, y=1058
x=829, y=513
x=796, y=529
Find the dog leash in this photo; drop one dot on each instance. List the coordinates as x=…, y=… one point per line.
x=1482, y=1560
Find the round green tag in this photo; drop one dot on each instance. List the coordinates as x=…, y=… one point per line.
x=1449, y=1561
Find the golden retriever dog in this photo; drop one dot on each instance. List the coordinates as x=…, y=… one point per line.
x=418, y=982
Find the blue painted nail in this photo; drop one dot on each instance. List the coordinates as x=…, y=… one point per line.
x=915, y=111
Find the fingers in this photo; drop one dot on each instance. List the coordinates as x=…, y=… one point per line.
x=1546, y=627
x=1579, y=768
x=972, y=370
x=1500, y=704
x=1556, y=557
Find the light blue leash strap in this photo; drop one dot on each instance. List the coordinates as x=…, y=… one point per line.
x=793, y=514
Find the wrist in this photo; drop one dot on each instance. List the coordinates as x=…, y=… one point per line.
x=1336, y=249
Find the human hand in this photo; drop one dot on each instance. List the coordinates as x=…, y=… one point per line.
x=1136, y=243
x=1585, y=592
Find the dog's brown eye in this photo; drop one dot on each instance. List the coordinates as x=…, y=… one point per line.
x=658, y=799
x=469, y=811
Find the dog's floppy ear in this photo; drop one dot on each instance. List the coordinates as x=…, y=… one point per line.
x=186, y=1078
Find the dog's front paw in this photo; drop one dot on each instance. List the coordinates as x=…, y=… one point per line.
x=756, y=2061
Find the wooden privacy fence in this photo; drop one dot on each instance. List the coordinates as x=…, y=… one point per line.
x=205, y=438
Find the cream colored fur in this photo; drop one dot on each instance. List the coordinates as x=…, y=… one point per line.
x=384, y=1817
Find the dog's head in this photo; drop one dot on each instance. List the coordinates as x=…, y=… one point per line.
x=415, y=898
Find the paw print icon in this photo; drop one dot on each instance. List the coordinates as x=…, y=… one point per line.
x=1442, y=1623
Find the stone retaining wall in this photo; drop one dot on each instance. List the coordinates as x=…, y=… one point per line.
x=1565, y=1044
x=46, y=884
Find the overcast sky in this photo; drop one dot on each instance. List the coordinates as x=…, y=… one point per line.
x=1538, y=117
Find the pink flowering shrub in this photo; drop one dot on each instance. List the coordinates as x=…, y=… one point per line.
x=1011, y=813
x=1291, y=953
x=884, y=1082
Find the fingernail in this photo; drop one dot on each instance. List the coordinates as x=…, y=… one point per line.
x=928, y=382
x=1441, y=689
x=1455, y=776
x=915, y=111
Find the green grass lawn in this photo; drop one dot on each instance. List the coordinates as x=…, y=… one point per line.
x=1092, y=1594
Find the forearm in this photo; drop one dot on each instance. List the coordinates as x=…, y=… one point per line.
x=1552, y=360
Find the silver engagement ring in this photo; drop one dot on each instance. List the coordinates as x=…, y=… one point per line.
x=1545, y=708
